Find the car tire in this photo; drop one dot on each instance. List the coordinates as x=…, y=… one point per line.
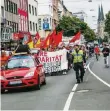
x=44, y=83
x=38, y=85
x=2, y=91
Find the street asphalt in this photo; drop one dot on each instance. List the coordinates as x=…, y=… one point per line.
x=89, y=95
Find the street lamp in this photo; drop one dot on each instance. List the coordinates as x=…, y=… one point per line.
x=90, y=1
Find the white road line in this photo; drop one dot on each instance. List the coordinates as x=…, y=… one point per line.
x=98, y=77
x=68, y=102
x=74, y=88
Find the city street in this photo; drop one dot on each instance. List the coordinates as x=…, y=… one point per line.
x=92, y=94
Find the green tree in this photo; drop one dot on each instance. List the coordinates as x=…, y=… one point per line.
x=72, y=25
x=107, y=23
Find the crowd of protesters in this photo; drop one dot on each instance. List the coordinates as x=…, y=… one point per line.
x=88, y=51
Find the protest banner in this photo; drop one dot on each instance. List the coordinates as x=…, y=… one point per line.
x=54, y=61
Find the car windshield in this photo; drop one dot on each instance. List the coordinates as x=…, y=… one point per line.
x=20, y=63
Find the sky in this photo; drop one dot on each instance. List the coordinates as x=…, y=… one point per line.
x=79, y=5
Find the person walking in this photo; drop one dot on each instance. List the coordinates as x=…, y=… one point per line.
x=106, y=52
x=97, y=52
x=3, y=58
x=79, y=61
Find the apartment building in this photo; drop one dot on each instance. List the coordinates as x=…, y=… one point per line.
x=33, y=16
x=10, y=19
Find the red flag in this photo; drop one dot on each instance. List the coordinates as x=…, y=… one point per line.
x=52, y=37
x=58, y=38
x=76, y=37
x=55, y=39
x=37, y=36
x=46, y=42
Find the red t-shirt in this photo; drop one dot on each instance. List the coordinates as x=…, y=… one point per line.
x=97, y=50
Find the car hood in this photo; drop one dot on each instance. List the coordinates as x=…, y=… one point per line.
x=17, y=72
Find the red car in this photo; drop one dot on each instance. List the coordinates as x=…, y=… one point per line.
x=22, y=71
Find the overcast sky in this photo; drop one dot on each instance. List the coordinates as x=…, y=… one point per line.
x=78, y=5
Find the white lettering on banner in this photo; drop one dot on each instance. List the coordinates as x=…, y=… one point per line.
x=54, y=61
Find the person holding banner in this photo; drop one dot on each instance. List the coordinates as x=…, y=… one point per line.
x=79, y=60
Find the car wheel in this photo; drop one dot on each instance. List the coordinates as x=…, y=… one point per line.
x=38, y=85
x=44, y=83
x=2, y=91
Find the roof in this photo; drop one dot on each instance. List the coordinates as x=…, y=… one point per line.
x=100, y=14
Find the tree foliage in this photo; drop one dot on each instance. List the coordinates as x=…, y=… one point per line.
x=72, y=25
x=107, y=23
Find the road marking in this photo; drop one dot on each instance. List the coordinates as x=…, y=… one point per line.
x=98, y=77
x=68, y=102
x=74, y=88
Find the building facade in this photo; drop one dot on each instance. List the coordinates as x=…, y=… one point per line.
x=10, y=20
x=81, y=15
x=55, y=13
x=60, y=9
x=2, y=18
x=23, y=16
x=45, y=17
x=49, y=19
x=44, y=25
x=33, y=16
x=2, y=13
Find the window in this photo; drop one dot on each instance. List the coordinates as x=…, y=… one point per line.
x=29, y=8
x=15, y=8
x=36, y=26
x=50, y=22
x=13, y=27
x=20, y=63
x=11, y=7
x=8, y=23
x=6, y=5
x=2, y=11
x=17, y=27
x=30, y=25
x=12, y=24
x=13, y=4
x=33, y=26
x=33, y=10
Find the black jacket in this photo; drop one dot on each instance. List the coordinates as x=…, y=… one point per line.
x=107, y=52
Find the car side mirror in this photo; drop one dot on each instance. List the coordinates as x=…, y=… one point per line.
x=40, y=65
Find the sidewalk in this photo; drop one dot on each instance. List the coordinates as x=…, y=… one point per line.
x=93, y=94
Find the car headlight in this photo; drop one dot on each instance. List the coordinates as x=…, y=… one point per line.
x=2, y=78
x=30, y=74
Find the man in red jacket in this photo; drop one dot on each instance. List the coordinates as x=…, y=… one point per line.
x=97, y=51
